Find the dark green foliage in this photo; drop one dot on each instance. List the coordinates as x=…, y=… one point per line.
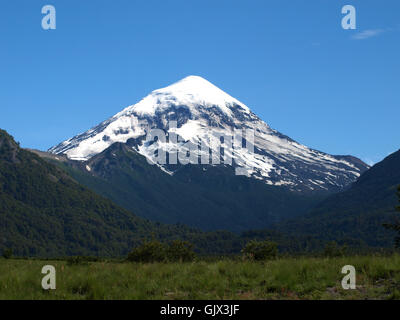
x=260, y=250
x=398, y=196
x=180, y=251
x=149, y=252
x=205, y=197
x=155, y=251
x=356, y=215
x=332, y=249
x=7, y=253
x=396, y=225
x=81, y=260
x=45, y=213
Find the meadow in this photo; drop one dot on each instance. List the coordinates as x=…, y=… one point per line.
x=378, y=277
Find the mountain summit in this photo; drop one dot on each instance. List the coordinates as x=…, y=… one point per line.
x=199, y=110
x=192, y=92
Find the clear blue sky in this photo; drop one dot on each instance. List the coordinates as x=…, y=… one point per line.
x=290, y=61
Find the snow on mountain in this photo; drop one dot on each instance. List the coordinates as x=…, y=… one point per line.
x=200, y=108
x=191, y=91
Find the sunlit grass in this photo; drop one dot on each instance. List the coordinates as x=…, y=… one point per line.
x=289, y=278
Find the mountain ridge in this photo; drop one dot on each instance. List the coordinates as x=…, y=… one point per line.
x=357, y=212
x=44, y=212
x=201, y=110
x=206, y=197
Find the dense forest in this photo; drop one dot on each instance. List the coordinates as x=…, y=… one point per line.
x=202, y=196
x=357, y=214
x=45, y=212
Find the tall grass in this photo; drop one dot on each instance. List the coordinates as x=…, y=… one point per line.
x=378, y=277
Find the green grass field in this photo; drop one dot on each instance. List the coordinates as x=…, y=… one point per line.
x=286, y=278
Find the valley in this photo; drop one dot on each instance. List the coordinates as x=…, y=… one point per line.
x=199, y=159
x=101, y=193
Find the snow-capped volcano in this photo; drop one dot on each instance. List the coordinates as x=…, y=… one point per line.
x=199, y=109
x=192, y=91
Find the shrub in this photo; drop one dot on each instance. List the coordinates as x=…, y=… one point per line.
x=332, y=249
x=180, y=251
x=148, y=252
x=260, y=250
x=81, y=260
x=155, y=251
x=7, y=253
